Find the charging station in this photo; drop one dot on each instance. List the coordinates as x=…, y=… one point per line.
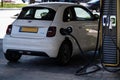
x=110, y=32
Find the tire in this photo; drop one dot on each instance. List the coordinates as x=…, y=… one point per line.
x=65, y=52
x=12, y=56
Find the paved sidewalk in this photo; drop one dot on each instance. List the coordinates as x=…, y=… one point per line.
x=10, y=8
x=6, y=19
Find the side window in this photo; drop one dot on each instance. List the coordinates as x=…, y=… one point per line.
x=29, y=13
x=40, y=13
x=82, y=14
x=68, y=15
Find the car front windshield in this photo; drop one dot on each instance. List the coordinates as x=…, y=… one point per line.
x=37, y=13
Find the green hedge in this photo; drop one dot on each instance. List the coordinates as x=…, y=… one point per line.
x=11, y=5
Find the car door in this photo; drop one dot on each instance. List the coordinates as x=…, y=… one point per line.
x=84, y=26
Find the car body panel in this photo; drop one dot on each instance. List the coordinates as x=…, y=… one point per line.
x=48, y=46
x=85, y=31
x=42, y=27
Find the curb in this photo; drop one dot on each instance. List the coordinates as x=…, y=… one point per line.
x=10, y=8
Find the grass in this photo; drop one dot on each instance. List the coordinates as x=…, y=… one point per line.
x=11, y=5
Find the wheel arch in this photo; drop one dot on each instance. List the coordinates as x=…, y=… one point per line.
x=68, y=41
x=62, y=60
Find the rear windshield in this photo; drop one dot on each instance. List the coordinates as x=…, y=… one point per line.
x=40, y=13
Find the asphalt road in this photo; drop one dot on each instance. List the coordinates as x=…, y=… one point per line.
x=42, y=68
x=37, y=68
x=6, y=18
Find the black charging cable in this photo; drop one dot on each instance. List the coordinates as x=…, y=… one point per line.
x=90, y=62
x=97, y=48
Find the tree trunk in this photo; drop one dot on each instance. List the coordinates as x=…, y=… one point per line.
x=1, y=3
x=32, y=1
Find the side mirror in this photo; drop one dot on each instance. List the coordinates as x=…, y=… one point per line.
x=96, y=16
x=66, y=31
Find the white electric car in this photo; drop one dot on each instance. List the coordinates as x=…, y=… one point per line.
x=36, y=31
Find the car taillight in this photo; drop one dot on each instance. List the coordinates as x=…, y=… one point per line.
x=51, y=31
x=9, y=29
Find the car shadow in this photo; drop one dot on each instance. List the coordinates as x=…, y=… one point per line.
x=35, y=63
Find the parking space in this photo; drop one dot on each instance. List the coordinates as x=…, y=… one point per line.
x=42, y=68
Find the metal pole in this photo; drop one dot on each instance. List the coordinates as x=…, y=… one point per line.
x=118, y=27
x=32, y=1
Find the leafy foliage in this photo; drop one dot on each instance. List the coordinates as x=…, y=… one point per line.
x=12, y=5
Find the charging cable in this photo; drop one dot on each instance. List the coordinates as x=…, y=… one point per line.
x=90, y=63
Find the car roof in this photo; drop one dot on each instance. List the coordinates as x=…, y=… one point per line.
x=53, y=5
x=93, y=1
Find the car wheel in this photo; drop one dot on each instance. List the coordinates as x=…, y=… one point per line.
x=12, y=56
x=65, y=52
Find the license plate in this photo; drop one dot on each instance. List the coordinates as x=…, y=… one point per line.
x=29, y=29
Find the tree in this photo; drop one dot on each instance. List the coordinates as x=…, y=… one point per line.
x=32, y=1
x=1, y=3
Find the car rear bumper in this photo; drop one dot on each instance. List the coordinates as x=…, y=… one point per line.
x=46, y=46
x=28, y=52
